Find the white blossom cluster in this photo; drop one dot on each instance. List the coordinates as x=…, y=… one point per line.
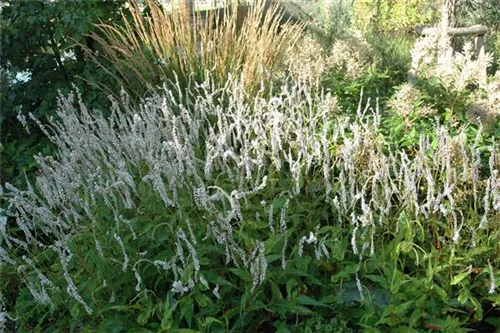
x=218, y=148
x=350, y=56
x=432, y=57
x=457, y=71
x=407, y=103
x=3, y=320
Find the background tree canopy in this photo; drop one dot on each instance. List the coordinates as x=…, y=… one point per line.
x=40, y=57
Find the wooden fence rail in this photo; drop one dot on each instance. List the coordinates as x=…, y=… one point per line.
x=476, y=30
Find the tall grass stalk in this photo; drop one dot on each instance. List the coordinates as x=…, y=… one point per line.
x=154, y=44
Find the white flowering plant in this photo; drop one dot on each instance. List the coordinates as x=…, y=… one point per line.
x=460, y=81
x=246, y=211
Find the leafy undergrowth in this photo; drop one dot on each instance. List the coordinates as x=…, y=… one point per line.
x=252, y=213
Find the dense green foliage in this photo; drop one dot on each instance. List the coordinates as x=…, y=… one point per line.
x=42, y=57
x=472, y=12
x=395, y=16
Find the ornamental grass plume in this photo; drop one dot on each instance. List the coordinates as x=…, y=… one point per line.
x=155, y=44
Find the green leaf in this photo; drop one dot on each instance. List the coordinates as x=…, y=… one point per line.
x=211, y=320
x=391, y=321
x=494, y=321
x=416, y=315
x=290, y=290
x=457, y=279
x=441, y=292
x=272, y=258
x=242, y=273
x=167, y=320
x=272, y=242
x=203, y=300
x=478, y=251
x=370, y=329
x=379, y=279
x=275, y=290
x=478, y=308
x=405, y=329
x=293, y=308
x=306, y=300
x=330, y=299
x=464, y=295
x=143, y=317
x=187, y=310
x=436, y=324
x=346, y=272
x=393, y=314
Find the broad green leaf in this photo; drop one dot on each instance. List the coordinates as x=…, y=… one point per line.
x=464, y=295
x=416, y=315
x=441, y=292
x=458, y=278
x=143, y=317
x=307, y=300
x=379, y=279
x=345, y=272
x=330, y=299
x=275, y=290
x=167, y=320
x=187, y=309
x=272, y=258
x=203, y=300
x=211, y=320
x=242, y=273
x=293, y=308
x=404, y=329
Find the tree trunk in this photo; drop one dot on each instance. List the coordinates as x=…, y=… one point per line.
x=448, y=20
x=449, y=13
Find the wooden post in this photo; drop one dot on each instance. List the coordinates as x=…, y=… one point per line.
x=480, y=48
x=480, y=51
x=190, y=5
x=454, y=32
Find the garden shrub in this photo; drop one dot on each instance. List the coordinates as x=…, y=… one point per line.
x=348, y=57
x=461, y=78
x=332, y=21
x=39, y=58
x=392, y=55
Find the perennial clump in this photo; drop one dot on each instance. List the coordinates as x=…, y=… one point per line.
x=460, y=72
x=151, y=187
x=349, y=56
